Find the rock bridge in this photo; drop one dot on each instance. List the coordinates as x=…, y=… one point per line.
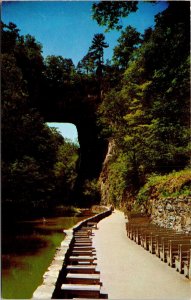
x=77, y=104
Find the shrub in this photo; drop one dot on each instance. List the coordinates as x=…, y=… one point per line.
x=173, y=185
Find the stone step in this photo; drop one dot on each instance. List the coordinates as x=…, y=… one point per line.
x=77, y=259
x=85, y=269
x=83, y=252
x=77, y=235
x=76, y=290
x=92, y=224
x=82, y=278
x=84, y=248
x=82, y=244
x=80, y=239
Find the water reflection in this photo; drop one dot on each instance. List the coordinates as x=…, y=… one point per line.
x=27, y=250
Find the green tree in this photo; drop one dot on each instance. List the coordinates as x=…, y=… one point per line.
x=29, y=147
x=96, y=51
x=65, y=170
x=112, y=76
x=91, y=192
x=9, y=37
x=87, y=64
x=127, y=43
x=168, y=96
x=28, y=150
x=28, y=54
x=108, y=13
x=147, y=113
x=58, y=70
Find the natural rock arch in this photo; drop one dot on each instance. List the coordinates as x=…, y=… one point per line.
x=78, y=107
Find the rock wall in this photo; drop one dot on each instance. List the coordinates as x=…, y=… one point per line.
x=171, y=212
x=77, y=104
x=103, y=179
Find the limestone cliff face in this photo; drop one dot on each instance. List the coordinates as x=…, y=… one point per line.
x=171, y=212
x=125, y=200
x=104, y=179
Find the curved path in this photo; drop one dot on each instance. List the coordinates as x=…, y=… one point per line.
x=130, y=272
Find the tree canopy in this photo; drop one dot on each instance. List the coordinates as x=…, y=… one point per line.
x=129, y=40
x=147, y=113
x=108, y=13
x=139, y=100
x=30, y=149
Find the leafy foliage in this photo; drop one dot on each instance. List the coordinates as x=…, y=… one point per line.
x=119, y=170
x=93, y=61
x=147, y=113
x=108, y=13
x=143, y=98
x=127, y=43
x=65, y=170
x=58, y=70
x=96, y=49
x=87, y=64
x=9, y=37
x=31, y=151
x=171, y=185
x=91, y=192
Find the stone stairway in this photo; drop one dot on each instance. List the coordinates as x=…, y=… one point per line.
x=73, y=271
x=82, y=278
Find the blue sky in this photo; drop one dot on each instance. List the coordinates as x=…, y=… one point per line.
x=68, y=130
x=66, y=28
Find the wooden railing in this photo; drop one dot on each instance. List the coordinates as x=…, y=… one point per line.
x=167, y=244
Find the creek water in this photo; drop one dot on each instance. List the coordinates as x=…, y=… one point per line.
x=28, y=248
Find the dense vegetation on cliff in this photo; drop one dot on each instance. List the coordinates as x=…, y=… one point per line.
x=139, y=101
x=147, y=113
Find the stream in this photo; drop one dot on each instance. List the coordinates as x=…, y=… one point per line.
x=28, y=248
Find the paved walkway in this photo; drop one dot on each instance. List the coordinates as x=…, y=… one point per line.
x=130, y=272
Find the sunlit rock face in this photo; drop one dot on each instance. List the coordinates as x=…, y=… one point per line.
x=171, y=212
x=78, y=105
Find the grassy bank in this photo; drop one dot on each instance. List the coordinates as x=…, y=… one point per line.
x=171, y=185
